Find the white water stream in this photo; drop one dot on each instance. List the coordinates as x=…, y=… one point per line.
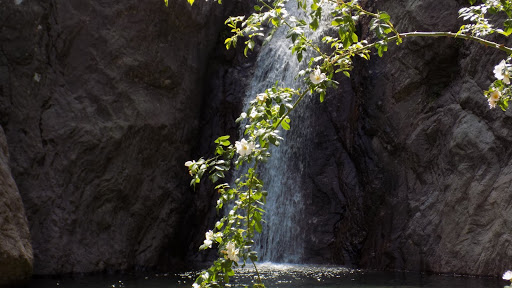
x=283, y=236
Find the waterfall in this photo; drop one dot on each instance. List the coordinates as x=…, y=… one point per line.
x=285, y=227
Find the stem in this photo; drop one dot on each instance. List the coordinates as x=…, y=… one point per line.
x=486, y=43
x=257, y=272
x=250, y=234
x=455, y=35
x=249, y=213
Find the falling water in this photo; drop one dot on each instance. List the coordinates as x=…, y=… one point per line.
x=283, y=237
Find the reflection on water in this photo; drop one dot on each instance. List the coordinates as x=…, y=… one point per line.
x=280, y=276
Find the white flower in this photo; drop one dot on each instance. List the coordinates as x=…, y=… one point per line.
x=195, y=285
x=208, y=243
x=205, y=275
x=244, y=148
x=317, y=76
x=501, y=72
x=495, y=95
x=507, y=275
x=260, y=132
x=243, y=115
x=253, y=114
x=262, y=97
x=232, y=252
x=209, y=235
x=493, y=98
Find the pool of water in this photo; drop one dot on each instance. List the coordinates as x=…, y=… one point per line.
x=279, y=276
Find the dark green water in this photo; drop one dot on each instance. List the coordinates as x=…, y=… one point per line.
x=281, y=276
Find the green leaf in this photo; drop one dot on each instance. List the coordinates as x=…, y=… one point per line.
x=299, y=56
x=322, y=97
x=273, y=140
x=275, y=22
x=384, y=16
x=257, y=196
x=314, y=24
x=250, y=44
x=282, y=110
x=286, y=124
x=223, y=140
x=258, y=226
x=257, y=8
x=354, y=38
x=166, y=3
x=503, y=105
x=219, y=225
x=508, y=27
x=227, y=42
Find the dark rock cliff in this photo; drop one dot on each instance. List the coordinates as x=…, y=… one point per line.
x=100, y=102
x=16, y=258
x=429, y=172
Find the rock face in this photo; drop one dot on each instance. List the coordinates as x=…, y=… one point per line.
x=431, y=177
x=15, y=249
x=100, y=102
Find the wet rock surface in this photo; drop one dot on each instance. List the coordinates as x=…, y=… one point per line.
x=15, y=249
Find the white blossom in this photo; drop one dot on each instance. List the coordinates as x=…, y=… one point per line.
x=501, y=72
x=507, y=275
x=208, y=243
x=195, y=285
x=209, y=239
x=253, y=114
x=243, y=115
x=262, y=97
x=493, y=98
x=205, y=275
x=244, y=148
x=209, y=235
x=232, y=252
x=317, y=76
